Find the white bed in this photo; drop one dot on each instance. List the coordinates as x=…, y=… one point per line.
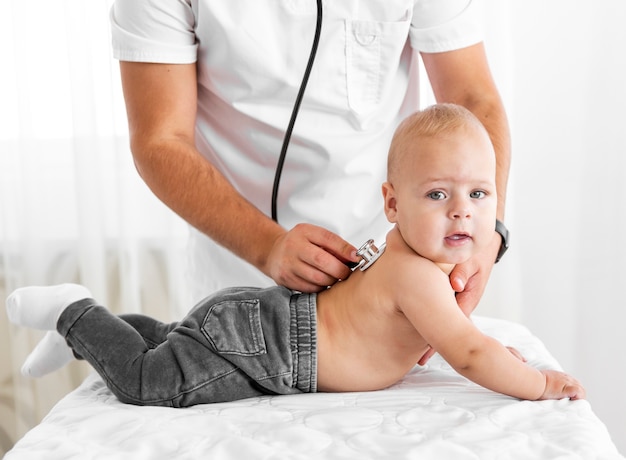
x=433, y=413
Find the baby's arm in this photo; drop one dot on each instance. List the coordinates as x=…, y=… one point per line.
x=504, y=372
x=434, y=313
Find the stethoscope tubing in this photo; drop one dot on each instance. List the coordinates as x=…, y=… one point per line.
x=294, y=113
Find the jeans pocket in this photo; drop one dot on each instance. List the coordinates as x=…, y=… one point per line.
x=234, y=327
x=373, y=50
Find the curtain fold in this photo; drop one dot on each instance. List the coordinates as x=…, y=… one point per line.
x=72, y=207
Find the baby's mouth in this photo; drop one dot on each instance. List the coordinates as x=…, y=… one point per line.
x=456, y=238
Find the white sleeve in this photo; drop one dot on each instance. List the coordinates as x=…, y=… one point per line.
x=159, y=31
x=445, y=25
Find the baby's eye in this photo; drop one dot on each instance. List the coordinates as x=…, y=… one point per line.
x=478, y=194
x=436, y=195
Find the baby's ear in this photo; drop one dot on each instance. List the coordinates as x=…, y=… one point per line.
x=389, y=195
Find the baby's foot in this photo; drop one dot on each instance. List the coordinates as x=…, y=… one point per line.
x=50, y=354
x=39, y=307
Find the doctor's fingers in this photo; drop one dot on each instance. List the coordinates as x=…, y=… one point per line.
x=294, y=267
x=327, y=240
x=320, y=264
x=309, y=258
x=304, y=278
x=312, y=270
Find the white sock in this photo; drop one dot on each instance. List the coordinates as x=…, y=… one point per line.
x=39, y=307
x=50, y=354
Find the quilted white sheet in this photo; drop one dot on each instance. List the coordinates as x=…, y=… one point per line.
x=433, y=413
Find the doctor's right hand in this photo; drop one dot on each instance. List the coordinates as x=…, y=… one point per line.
x=309, y=258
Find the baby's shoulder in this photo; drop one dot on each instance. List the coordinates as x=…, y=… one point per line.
x=412, y=276
x=409, y=262
x=408, y=268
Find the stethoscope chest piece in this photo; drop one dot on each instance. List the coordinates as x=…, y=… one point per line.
x=369, y=253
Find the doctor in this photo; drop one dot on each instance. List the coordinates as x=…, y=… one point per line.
x=209, y=89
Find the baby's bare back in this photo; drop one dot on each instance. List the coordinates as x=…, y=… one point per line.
x=364, y=341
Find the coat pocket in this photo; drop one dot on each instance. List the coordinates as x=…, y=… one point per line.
x=373, y=51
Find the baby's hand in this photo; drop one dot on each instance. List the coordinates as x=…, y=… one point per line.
x=560, y=385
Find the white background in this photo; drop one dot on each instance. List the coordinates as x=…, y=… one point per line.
x=561, y=67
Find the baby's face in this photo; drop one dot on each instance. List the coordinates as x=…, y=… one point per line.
x=444, y=196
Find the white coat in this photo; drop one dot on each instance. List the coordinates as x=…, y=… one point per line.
x=251, y=55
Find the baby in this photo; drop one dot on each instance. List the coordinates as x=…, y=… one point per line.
x=364, y=333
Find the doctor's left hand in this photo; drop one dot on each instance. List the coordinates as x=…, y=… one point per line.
x=469, y=280
x=309, y=258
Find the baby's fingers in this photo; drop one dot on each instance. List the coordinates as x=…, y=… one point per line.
x=560, y=385
x=575, y=391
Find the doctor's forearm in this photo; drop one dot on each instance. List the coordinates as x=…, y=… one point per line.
x=189, y=185
x=492, y=114
x=161, y=103
x=463, y=77
x=488, y=108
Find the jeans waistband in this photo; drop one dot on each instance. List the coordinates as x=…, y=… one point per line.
x=303, y=308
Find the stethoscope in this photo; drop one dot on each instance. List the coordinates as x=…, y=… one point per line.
x=368, y=252
x=294, y=112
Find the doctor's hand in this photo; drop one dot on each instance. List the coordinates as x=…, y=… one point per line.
x=309, y=258
x=469, y=279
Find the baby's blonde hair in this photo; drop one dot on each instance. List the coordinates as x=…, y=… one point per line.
x=433, y=121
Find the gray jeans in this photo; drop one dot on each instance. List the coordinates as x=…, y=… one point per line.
x=235, y=344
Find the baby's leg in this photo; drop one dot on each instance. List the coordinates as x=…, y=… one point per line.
x=135, y=373
x=39, y=307
x=183, y=370
x=154, y=332
x=50, y=354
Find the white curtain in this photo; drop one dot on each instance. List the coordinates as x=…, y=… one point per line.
x=73, y=209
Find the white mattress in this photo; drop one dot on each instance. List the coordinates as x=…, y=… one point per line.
x=433, y=413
